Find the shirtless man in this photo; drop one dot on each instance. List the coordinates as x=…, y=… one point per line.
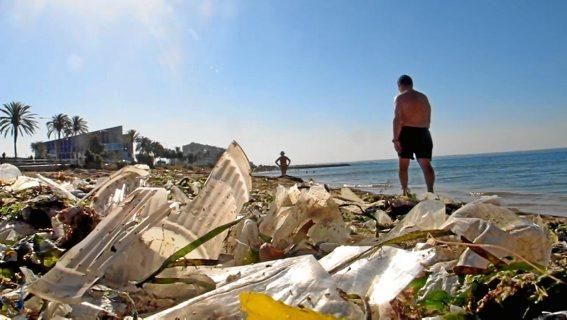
x=283, y=162
x=412, y=117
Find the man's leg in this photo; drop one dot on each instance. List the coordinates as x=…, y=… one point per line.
x=403, y=174
x=428, y=173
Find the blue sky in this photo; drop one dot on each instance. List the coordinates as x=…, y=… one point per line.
x=313, y=78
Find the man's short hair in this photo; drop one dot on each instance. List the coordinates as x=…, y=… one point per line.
x=405, y=80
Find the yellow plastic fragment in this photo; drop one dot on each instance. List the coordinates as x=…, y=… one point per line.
x=259, y=306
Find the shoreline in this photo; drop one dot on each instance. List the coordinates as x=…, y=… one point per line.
x=263, y=168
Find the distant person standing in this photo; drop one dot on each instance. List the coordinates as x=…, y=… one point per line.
x=283, y=162
x=412, y=117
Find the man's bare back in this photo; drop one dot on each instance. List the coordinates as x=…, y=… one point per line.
x=412, y=117
x=413, y=109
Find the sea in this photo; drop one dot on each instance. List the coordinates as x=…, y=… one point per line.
x=530, y=181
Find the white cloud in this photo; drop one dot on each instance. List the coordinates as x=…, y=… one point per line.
x=75, y=63
x=224, y=9
x=93, y=19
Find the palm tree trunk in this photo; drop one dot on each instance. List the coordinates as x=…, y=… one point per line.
x=58, y=145
x=15, y=148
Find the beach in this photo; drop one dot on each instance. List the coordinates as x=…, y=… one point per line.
x=530, y=181
x=363, y=216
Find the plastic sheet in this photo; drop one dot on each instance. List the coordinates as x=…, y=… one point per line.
x=426, y=215
x=225, y=192
x=115, y=188
x=485, y=223
x=293, y=281
x=380, y=277
x=293, y=210
x=23, y=182
x=87, y=261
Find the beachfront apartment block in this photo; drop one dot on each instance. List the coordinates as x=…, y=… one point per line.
x=201, y=154
x=118, y=147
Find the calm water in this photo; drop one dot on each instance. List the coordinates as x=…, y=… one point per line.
x=533, y=181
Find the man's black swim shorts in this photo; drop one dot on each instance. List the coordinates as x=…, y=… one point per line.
x=415, y=140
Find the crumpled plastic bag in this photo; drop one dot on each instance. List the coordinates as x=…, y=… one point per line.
x=294, y=209
x=486, y=223
x=9, y=173
x=426, y=215
x=23, y=182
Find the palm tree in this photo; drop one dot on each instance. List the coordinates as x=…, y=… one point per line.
x=17, y=120
x=133, y=134
x=38, y=149
x=59, y=124
x=144, y=145
x=77, y=125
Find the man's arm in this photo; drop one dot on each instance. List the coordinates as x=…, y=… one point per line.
x=428, y=112
x=397, y=123
x=278, y=159
x=288, y=161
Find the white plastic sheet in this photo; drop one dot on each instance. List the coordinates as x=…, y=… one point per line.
x=486, y=223
x=225, y=192
x=380, y=277
x=115, y=188
x=86, y=262
x=23, y=182
x=294, y=281
x=426, y=215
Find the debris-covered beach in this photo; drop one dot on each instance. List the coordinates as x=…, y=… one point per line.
x=220, y=243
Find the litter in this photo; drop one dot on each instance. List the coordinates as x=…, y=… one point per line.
x=225, y=192
x=486, y=223
x=303, y=250
x=86, y=262
x=9, y=173
x=313, y=209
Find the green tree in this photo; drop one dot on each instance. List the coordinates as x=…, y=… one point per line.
x=144, y=145
x=133, y=135
x=178, y=153
x=77, y=125
x=39, y=149
x=157, y=149
x=59, y=124
x=17, y=119
x=95, y=146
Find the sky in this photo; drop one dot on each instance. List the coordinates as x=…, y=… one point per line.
x=314, y=78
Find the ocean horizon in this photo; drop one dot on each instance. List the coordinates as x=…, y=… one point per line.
x=533, y=181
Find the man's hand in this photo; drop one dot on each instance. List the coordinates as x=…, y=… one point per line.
x=398, y=146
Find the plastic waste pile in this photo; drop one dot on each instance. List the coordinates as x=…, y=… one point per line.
x=218, y=249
